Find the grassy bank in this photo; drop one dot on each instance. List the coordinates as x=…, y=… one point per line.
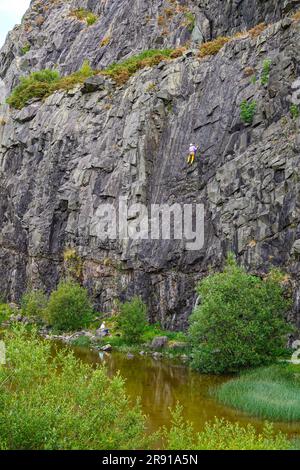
x=269, y=392
x=177, y=341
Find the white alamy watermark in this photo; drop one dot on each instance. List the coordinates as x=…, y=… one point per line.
x=2, y=353
x=154, y=222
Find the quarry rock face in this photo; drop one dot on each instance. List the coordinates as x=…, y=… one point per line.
x=61, y=159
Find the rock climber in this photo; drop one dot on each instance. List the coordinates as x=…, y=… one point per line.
x=192, y=154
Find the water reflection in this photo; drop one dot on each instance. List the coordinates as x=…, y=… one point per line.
x=161, y=384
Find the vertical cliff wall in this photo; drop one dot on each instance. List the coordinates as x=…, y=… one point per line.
x=62, y=158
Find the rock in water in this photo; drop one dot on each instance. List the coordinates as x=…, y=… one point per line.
x=106, y=348
x=159, y=342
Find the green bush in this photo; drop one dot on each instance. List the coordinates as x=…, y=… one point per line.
x=69, y=307
x=265, y=75
x=56, y=402
x=5, y=312
x=239, y=323
x=132, y=320
x=271, y=392
x=294, y=110
x=91, y=19
x=247, y=111
x=34, y=303
x=221, y=435
x=26, y=48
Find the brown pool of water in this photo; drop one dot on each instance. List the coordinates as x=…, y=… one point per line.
x=161, y=384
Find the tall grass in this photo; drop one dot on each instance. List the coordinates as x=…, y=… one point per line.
x=270, y=392
x=221, y=435
x=122, y=71
x=39, y=85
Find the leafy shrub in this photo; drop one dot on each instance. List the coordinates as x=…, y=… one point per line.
x=213, y=47
x=132, y=319
x=239, y=323
x=265, y=75
x=294, y=110
x=26, y=48
x=247, y=111
x=271, y=393
x=221, y=435
x=33, y=304
x=59, y=403
x=69, y=307
x=5, y=312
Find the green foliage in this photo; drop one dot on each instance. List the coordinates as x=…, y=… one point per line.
x=239, y=323
x=36, y=85
x=69, y=307
x=26, y=48
x=33, y=304
x=122, y=71
x=247, y=111
x=265, y=74
x=294, y=110
x=151, y=331
x=59, y=403
x=41, y=84
x=221, y=435
x=82, y=342
x=85, y=15
x=5, y=312
x=132, y=320
x=271, y=393
x=190, y=20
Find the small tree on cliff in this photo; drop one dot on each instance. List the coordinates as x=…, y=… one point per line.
x=239, y=323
